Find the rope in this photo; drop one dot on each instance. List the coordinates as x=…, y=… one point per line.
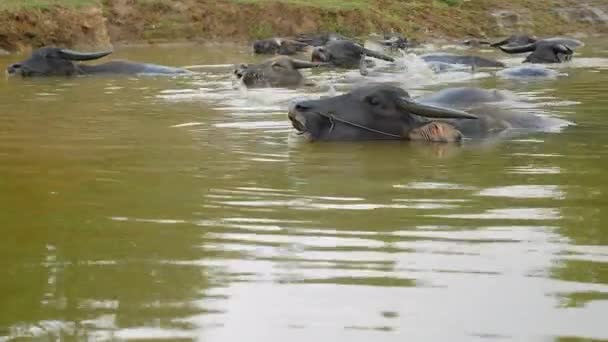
x=332, y=118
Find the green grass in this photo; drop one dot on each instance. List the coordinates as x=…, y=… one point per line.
x=329, y=4
x=25, y=4
x=451, y=2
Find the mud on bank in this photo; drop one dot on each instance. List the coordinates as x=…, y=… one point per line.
x=125, y=21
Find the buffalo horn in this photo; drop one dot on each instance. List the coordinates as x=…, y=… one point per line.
x=82, y=56
x=519, y=49
x=431, y=111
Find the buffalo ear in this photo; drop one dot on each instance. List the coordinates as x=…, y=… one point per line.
x=430, y=111
x=561, y=48
x=519, y=49
x=276, y=65
x=81, y=56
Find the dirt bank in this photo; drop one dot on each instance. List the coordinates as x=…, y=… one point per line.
x=83, y=28
x=120, y=21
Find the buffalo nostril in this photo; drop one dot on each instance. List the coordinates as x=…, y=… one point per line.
x=15, y=66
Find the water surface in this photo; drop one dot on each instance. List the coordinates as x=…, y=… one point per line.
x=150, y=208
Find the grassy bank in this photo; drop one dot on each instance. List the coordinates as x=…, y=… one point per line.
x=327, y=4
x=14, y=5
x=86, y=22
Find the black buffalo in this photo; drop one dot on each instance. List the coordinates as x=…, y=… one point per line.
x=472, y=61
x=552, y=50
x=51, y=61
x=278, y=46
x=345, y=54
x=280, y=71
x=388, y=112
x=396, y=42
x=528, y=71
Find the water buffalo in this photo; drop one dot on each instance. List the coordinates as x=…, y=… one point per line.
x=396, y=41
x=523, y=40
x=345, y=54
x=529, y=71
x=543, y=51
x=473, y=61
x=388, y=112
x=515, y=40
x=52, y=61
x=569, y=42
x=278, y=46
x=280, y=71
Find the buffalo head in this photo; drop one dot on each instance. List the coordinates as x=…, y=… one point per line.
x=543, y=51
x=375, y=112
x=51, y=61
x=280, y=71
x=396, y=41
x=345, y=54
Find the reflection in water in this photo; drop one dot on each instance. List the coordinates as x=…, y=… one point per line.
x=185, y=209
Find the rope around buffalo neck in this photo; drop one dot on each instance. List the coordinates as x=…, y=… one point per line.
x=333, y=118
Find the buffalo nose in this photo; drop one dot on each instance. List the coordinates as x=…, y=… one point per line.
x=13, y=68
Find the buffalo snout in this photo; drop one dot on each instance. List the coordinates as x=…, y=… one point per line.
x=306, y=118
x=13, y=68
x=296, y=115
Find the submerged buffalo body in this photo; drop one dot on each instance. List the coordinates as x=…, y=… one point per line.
x=388, y=112
x=345, y=54
x=50, y=61
x=472, y=61
x=280, y=71
x=278, y=46
x=528, y=71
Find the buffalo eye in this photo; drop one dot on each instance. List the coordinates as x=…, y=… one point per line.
x=373, y=100
x=54, y=56
x=301, y=107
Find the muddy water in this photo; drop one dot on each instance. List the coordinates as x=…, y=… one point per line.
x=186, y=209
